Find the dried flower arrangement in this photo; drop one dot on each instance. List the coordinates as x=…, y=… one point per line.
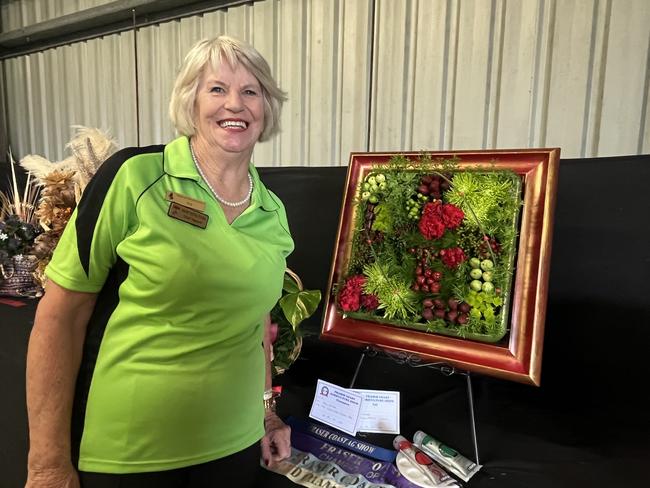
x=18, y=229
x=62, y=184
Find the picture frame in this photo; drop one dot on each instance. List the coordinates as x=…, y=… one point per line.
x=517, y=356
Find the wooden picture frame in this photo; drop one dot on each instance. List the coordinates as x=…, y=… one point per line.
x=518, y=356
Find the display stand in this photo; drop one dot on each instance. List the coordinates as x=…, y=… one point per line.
x=414, y=361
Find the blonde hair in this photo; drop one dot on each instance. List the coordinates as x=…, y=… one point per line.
x=213, y=52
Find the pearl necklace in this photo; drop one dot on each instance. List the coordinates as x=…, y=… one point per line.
x=216, y=195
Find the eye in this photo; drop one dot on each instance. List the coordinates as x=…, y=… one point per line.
x=217, y=89
x=250, y=92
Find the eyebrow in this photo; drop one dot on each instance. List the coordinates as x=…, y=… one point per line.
x=211, y=81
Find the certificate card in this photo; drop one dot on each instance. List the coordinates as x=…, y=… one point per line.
x=379, y=411
x=336, y=406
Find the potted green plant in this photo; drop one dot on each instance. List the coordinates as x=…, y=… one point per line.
x=295, y=305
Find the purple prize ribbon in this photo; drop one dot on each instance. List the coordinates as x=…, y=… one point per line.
x=340, y=439
x=374, y=471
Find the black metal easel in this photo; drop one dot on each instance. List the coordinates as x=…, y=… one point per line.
x=414, y=361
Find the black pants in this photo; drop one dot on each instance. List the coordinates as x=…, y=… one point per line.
x=239, y=470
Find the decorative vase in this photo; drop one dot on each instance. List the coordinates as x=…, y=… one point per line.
x=16, y=277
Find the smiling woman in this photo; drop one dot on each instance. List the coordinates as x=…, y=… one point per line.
x=166, y=275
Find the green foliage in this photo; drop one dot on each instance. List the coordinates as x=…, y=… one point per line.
x=484, y=197
x=396, y=299
x=383, y=219
x=294, y=306
x=299, y=305
x=384, y=237
x=400, y=186
x=485, y=304
x=470, y=239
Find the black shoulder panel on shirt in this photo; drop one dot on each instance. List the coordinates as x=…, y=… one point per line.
x=93, y=197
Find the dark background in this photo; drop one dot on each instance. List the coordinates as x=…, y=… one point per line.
x=586, y=426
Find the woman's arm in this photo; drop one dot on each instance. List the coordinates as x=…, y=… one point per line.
x=276, y=443
x=53, y=358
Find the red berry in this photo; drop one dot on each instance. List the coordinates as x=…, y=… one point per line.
x=420, y=280
x=427, y=314
x=430, y=281
x=436, y=275
x=425, y=180
x=462, y=319
x=438, y=303
x=434, y=287
x=452, y=315
x=415, y=287
x=424, y=189
x=453, y=303
x=418, y=270
x=428, y=273
x=464, y=307
x=439, y=313
x=424, y=288
x=427, y=303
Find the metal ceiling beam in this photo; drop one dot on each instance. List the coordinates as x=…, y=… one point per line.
x=110, y=18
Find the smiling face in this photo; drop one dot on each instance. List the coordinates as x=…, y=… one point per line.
x=229, y=110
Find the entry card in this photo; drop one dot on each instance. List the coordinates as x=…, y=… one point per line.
x=379, y=411
x=336, y=406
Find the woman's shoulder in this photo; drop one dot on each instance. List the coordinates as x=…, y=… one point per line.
x=130, y=169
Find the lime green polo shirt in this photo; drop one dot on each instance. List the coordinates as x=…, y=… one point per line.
x=173, y=365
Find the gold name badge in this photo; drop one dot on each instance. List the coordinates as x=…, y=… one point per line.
x=188, y=215
x=199, y=205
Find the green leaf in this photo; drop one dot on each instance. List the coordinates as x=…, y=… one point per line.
x=290, y=285
x=299, y=306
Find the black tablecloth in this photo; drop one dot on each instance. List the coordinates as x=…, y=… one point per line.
x=586, y=426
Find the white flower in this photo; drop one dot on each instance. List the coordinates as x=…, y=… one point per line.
x=3, y=236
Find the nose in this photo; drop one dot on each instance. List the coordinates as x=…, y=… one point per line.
x=234, y=101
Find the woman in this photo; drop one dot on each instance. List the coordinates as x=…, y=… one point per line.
x=153, y=332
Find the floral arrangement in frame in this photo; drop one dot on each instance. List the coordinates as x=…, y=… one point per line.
x=445, y=256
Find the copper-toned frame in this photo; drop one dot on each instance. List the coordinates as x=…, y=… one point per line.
x=518, y=358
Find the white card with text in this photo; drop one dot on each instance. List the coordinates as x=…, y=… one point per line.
x=379, y=411
x=337, y=407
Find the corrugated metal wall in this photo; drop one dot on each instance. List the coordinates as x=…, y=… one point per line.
x=372, y=75
x=89, y=83
x=22, y=13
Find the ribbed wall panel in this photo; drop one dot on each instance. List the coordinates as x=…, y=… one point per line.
x=89, y=83
x=22, y=13
x=625, y=83
x=568, y=73
x=371, y=75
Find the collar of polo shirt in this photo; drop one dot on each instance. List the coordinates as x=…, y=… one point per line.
x=178, y=162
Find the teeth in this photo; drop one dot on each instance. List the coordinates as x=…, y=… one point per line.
x=233, y=123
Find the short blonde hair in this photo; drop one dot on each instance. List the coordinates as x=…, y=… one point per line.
x=213, y=52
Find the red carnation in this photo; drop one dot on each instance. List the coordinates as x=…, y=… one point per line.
x=452, y=257
x=369, y=302
x=431, y=225
x=452, y=216
x=350, y=294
